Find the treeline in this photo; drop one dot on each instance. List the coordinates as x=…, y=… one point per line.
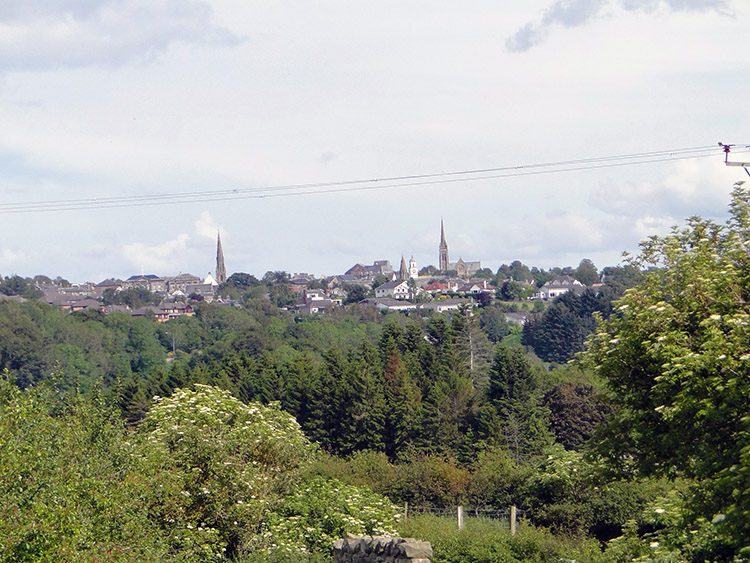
x=438, y=410
x=355, y=380
x=424, y=410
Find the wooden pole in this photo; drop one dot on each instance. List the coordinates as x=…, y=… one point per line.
x=460, y=512
x=513, y=520
x=406, y=510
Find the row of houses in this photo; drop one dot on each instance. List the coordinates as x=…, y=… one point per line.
x=398, y=294
x=401, y=289
x=87, y=296
x=164, y=311
x=182, y=284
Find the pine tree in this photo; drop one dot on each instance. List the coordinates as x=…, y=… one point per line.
x=368, y=406
x=514, y=395
x=403, y=408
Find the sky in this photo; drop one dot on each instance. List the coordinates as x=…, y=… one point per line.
x=279, y=124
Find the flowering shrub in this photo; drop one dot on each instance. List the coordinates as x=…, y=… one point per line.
x=204, y=478
x=217, y=464
x=228, y=480
x=318, y=511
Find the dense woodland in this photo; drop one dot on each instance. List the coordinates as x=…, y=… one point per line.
x=639, y=445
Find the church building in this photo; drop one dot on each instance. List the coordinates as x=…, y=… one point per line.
x=462, y=269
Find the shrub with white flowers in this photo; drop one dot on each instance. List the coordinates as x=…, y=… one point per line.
x=318, y=511
x=227, y=479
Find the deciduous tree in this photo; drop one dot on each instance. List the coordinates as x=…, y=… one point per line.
x=676, y=357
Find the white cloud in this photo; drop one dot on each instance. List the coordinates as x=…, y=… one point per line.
x=97, y=251
x=176, y=254
x=206, y=227
x=9, y=259
x=404, y=90
x=162, y=257
x=339, y=245
x=70, y=33
x=688, y=188
x=544, y=238
x=575, y=13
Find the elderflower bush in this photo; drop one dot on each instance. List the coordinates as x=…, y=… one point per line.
x=319, y=511
x=226, y=481
x=216, y=464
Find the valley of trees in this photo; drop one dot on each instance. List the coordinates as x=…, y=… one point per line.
x=637, y=442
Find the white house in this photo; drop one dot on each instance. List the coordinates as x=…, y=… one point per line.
x=443, y=305
x=390, y=304
x=395, y=289
x=559, y=286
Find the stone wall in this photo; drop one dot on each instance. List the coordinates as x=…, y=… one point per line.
x=382, y=550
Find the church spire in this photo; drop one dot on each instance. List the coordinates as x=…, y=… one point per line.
x=221, y=270
x=443, y=258
x=403, y=272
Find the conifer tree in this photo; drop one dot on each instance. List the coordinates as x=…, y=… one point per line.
x=368, y=405
x=513, y=399
x=403, y=408
x=302, y=386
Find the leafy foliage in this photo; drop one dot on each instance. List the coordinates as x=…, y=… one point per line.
x=513, y=414
x=491, y=542
x=676, y=360
x=575, y=409
x=205, y=477
x=319, y=511
x=71, y=488
x=559, y=333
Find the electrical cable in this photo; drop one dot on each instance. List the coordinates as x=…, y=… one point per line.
x=368, y=184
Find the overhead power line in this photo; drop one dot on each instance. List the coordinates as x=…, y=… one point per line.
x=366, y=184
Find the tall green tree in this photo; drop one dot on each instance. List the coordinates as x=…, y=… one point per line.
x=586, y=272
x=574, y=411
x=403, y=408
x=473, y=348
x=676, y=358
x=368, y=406
x=512, y=405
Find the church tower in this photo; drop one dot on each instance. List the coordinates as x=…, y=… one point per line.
x=403, y=273
x=443, y=259
x=413, y=272
x=221, y=269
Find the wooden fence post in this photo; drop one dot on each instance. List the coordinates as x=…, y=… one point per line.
x=513, y=520
x=406, y=510
x=460, y=512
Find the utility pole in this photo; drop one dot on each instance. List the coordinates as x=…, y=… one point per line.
x=727, y=150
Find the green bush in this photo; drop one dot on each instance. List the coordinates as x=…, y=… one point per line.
x=70, y=488
x=204, y=478
x=489, y=541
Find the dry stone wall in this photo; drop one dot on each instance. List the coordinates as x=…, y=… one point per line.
x=382, y=550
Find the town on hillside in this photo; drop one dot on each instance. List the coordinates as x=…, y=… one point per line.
x=446, y=287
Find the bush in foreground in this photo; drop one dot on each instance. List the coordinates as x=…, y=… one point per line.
x=204, y=478
x=490, y=541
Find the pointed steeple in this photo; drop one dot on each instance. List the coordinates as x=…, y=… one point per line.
x=221, y=270
x=443, y=258
x=403, y=273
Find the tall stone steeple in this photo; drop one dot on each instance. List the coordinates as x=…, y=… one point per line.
x=403, y=273
x=221, y=269
x=443, y=259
